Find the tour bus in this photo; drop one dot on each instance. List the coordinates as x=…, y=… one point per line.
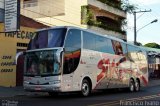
x=67, y=59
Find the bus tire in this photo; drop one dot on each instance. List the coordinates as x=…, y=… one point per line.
x=137, y=85
x=85, y=88
x=131, y=85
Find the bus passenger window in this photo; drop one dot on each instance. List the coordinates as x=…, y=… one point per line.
x=101, y=44
x=133, y=53
x=109, y=46
x=117, y=47
x=56, y=37
x=124, y=48
x=89, y=41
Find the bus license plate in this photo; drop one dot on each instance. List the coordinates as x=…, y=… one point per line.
x=38, y=88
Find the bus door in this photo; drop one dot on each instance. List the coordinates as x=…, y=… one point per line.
x=67, y=73
x=72, y=50
x=19, y=68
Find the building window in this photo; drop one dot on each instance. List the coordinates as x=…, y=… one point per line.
x=22, y=44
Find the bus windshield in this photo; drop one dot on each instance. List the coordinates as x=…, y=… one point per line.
x=48, y=39
x=41, y=63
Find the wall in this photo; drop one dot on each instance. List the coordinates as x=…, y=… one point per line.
x=42, y=8
x=8, y=50
x=7, y=68
x=72, y=16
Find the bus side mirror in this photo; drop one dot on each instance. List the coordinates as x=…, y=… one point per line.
x=17, y=56
x=59, y=55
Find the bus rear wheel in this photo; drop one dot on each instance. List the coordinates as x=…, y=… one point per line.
x=85, y=88
x=137, y=86
x=132, y=85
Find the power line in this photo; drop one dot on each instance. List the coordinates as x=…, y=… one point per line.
x=140, y=16
x=152, y=13
x=144, y=6
x=135, y=25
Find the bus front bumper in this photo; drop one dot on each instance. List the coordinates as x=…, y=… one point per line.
x=42, y=88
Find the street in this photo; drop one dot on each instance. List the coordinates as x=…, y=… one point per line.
x=55, y=47
x=148, y=96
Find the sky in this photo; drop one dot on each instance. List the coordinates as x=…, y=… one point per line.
x=150, y=33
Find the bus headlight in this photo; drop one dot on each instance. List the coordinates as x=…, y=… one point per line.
x=55, y=82
x=25, y=82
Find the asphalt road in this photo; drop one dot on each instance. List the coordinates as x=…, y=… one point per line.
x=149, y=96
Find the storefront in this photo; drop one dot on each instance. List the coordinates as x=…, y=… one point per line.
x=154, y=65
x=12, y=43
x=153, y=62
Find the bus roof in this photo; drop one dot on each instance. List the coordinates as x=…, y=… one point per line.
x=88, y=30
x=91, y=31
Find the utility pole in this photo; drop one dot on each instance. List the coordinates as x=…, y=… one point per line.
x=135, y=24
x=135, y=28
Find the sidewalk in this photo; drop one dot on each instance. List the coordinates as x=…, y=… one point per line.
x=154, y=82
x=19, y=91
x=11, y=91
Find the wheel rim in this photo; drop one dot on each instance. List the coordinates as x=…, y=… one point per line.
x=85, y=89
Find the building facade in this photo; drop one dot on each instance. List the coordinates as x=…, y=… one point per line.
x=154, y=65
x=153, y=62
x=104, y=16
x=11, y=43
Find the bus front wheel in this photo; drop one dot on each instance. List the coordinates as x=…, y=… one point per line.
x=85, y=88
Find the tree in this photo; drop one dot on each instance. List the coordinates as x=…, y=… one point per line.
x=129, y=8
x=138, y=44
x=152, y=45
